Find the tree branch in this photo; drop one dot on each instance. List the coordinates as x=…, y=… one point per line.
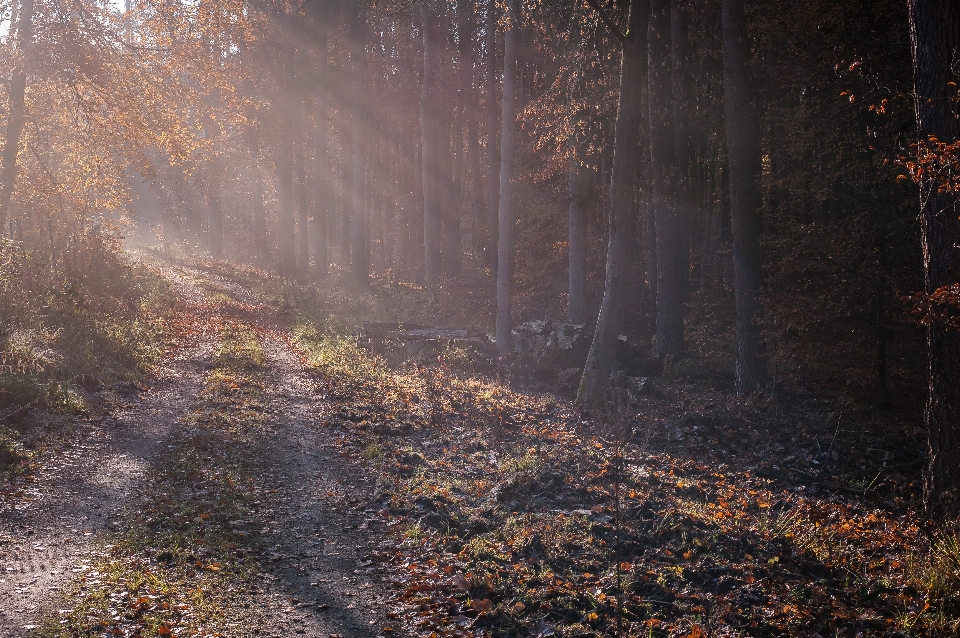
x=608, y=22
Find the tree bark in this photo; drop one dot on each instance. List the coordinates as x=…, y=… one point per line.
x=743, y=161
x=663, y=180
x=303, y=207
x=15, y=118
x=430, y=176
x=322, y=174
x=360, y=264
x=935, y=37
x=633, y=71
x=576, y=245
x=259, y=223
x=213, y=179
x=493, y=150
x=507, y=212
x=681, y=135
x=288, y=257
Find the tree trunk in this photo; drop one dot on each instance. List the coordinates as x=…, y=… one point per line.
x=663, y=180
x=322, y=173
x=743, y=160
x=447, y=162
x=681, y=134
x=360, y=265
x=934, y=27
x=507, y=213
x=15, y=118
x=493, y=151
x=430, y=174
x=259, y=223
x=303, y=207
x=288, y=257
x=214, y=177
x=576, y=245
x=633, y=71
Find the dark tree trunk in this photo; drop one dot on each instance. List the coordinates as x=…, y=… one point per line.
x=493, y=150
x=360, y=265
x=477, y=200
x=303, y=207
x=322, y=173
x=576, y=245
x=743, y=160
x=288, y=257
x=15, y=116
x=633, y=71
x=507, y=212
x=213, y=178
x=259, y=222
x=935, y=38
x=428, y=141
x=663, y=180
x=447, y=167
x=681, y=133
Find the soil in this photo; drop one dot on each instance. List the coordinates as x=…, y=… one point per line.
x=317, y=533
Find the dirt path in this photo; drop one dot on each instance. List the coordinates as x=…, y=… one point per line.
x=322, y=578
x=51, y=529
x=315, y=530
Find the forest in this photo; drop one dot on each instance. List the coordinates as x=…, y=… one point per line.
x=507, y=318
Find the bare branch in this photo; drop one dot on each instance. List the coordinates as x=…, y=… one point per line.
x=608, y=22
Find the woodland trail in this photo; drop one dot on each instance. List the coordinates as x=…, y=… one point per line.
x=309, y=571
x=51, y=527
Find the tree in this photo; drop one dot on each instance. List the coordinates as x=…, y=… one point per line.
x=507, y=211
x=493, y=150
x=360, y=265
x=633, y=75
x=322, y=201
x=743, y=162
x=576, y=245
x=15, y=118
x=663, y=181
x=935, y=38
x=428, y=142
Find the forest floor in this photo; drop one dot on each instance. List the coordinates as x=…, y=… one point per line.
x=277, y=479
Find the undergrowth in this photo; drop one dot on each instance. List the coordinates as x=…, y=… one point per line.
x=99, y=325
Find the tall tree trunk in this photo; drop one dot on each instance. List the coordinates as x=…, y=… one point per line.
x=288, y=256
x=303, y=207
x=259, y=223
x=681, y=132
x=493, y=151
x=477, y=202
x=935, y=39
x=633, y=71
x=663, y=174
x=576, y=245
x=743, y=160
x=507, y=212
x=15, y=117
x=449, y=190
x=322, y=174
x=214, y=179
x=428, y=141
x=360, y=265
